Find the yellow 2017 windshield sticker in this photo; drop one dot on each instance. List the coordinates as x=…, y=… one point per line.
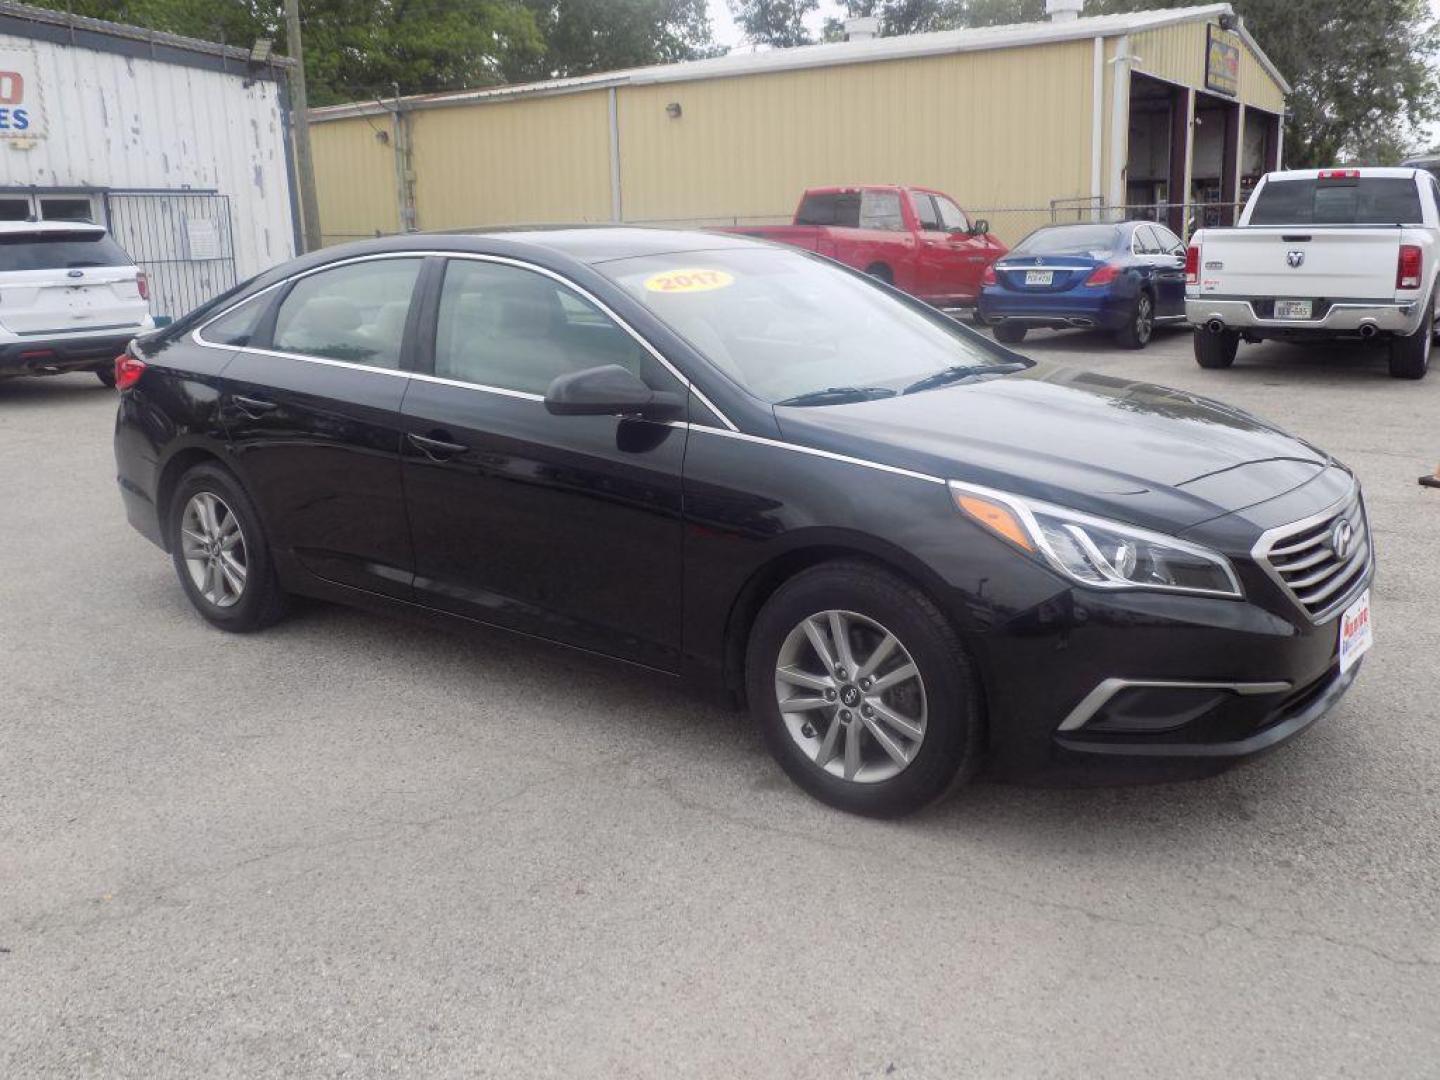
x=688, y=281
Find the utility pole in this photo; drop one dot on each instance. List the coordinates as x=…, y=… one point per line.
x=300, y=118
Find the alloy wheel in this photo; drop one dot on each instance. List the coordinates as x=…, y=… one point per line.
x=213, y=546
x=851, y=696
x=1144, y=318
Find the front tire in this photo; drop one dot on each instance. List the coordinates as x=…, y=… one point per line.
x=1215, y=350
x=1140, y=326
x=1410, y=355
x=220, y=553
x=1009, y=333
x=862, y=691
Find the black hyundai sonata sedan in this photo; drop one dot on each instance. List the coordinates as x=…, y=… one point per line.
x=909, y=549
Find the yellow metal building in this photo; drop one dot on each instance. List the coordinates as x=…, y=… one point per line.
x=1166, y=114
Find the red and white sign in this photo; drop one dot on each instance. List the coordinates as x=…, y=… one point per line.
x=1357, y=633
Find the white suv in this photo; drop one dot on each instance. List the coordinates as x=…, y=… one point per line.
x=70, y=299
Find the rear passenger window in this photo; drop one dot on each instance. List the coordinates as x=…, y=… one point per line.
x=237, y=326
x=354, y=312
x=881, y=210
x=514, y=329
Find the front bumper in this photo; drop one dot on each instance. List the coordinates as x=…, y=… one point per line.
x=1343, y=318
x=59, y=355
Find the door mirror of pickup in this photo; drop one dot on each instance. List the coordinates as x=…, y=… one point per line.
x=610, y=390
x=980, y=228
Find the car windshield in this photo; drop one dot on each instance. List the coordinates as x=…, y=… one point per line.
x=60, y=251
x=1069, y=240
x=786, y=325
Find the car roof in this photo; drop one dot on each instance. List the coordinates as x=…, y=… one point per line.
x=595, y=244
x=31, y=227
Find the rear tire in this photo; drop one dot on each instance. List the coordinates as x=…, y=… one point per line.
x=940, y=696
x=1215, y=350
x=1009, y=333
x=1140, y=326
x=232, y=583
x=881, y=272
x=1410, y=356
x=107, y=376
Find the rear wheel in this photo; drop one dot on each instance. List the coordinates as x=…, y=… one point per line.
x=1010, y=333
x=106, y=375
x=1215, y=350
x=881, y=272
x=862, y=691
x=220, y=554
x=1410, y=356
x=1136, y=332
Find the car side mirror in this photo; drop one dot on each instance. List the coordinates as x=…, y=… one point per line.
x=980, y=228
x=610, y=390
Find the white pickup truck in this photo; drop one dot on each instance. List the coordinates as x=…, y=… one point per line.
x=1322, y=254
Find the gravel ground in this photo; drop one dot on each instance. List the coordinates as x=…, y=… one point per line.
x=348, y=847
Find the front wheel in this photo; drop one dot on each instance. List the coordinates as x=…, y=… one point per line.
x=862, y=691
x=1410, y=355
x=1215, y=350
x=220, y=553
x=1136, y=332
x=1009, y=333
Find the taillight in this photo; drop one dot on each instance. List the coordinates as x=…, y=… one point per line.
x=143, y=284
x=1192, y=265
x=1407, y=267
x=1103, y=275
x=988, y=277
x=128, y=369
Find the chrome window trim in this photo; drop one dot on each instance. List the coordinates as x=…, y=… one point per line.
x=1260, y=553
x=1106, y=689
x=199, y=339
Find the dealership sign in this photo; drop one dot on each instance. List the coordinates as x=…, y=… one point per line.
x=21, y=116
x=1222, y=62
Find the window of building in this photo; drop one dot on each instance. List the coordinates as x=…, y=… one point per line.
x=354, y=312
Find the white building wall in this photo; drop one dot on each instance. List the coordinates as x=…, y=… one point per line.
x=111, y=121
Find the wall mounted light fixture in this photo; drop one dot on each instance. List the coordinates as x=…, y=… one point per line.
x=673, y=110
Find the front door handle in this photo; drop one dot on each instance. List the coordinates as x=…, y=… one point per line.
x=254, y=408
x=436, y=449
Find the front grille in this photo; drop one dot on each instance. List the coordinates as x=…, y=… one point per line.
x=1303, y=559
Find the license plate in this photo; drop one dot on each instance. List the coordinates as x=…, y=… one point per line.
x=1039, y=277
x=1294, y=309
x=1356, y=632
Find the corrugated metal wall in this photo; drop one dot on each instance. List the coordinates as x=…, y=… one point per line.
x=1177, y=54
x=355, y=175
x=125, y=122
x=965, y=123
x=997, y=129
x=528, y=161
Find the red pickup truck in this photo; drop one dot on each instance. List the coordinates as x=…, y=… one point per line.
x=914, y=238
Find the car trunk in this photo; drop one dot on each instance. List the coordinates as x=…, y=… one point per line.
x=1347, y=262
x=1045, y=273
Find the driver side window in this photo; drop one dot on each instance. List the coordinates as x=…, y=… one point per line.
x=925, y=211
x=513, y=329
x=952, y=218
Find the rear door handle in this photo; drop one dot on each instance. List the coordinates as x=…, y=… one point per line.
x=436, y=449
x=253, y=407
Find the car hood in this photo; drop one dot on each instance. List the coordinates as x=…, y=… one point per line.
x=1143, y=453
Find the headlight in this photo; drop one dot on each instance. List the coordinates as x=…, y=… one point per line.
x=1095, y=552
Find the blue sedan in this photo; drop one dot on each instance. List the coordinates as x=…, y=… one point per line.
x=1123, y=277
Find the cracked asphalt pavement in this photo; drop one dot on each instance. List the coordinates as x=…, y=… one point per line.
x=350, y=847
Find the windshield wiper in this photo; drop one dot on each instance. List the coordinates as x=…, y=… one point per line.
x=838, y=395
x=962, y=371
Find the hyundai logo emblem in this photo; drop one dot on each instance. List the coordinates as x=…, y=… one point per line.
x=1295, y=258
x=1341, y=537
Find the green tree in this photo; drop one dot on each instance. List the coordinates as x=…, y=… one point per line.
x=774, y=22
x=585, y=36
x=359, y=49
